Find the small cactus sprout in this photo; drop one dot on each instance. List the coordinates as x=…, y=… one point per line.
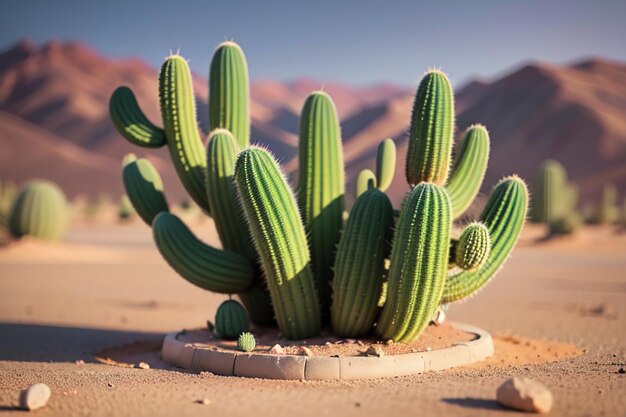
x=473, y=248
x=246, y=342
x=365, y=181
x=40, y=210
x=385, y=164
x=231, y=320
x=432, y=128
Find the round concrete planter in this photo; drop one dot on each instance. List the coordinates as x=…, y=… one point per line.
x=205, y=357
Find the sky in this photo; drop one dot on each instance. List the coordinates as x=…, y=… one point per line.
x=357, y=42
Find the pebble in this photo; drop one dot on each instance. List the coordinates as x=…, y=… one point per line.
x=34, y=397
x=277, y=350
x=306, y=351
x=621, y=371
x=204, y=401
x=525, y=394
x=144, y=365
x=374, y=351
x=80, y=362
x=111, y=385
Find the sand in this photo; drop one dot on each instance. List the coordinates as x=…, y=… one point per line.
x=111, y=288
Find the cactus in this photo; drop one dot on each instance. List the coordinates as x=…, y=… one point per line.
x=365, y=181
x=606, y=211
x=8, y=192
x=321, y=186
x=359, y=266
x=39, y=210
x=131, y=122
x=473, y=247
x=144, y=188
x=504, y=216
x=231, y=320
x=202, y=265
x=432, y=128
x=385, y=164
x=469, y=169
x=246, y=342
x=548, y=185
x=279, y=237
x=415, y=282
x=229, y=104
x=125, y=210
x=566, y=225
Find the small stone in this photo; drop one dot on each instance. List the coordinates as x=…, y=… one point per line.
x=277, y=349
x=80, y=362
x=204, y=401
x=621, y=371
x=111, y=385
x=525, y=394
x=306, y=351
x=34, y=397
x=349, y=341
x=389, y=342
x=428, y=349
x=328, y=344
x=374, y=351
x=144, y=365
x=360, y=342
x=439, y=318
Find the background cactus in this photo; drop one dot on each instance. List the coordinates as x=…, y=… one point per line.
x=39, y=210
x=8, y=192
x=321, y=186
x=246, y=342
x=606, y=210
x=125, y=208
x=385, y=164
x=278, y=233
x=365, y=181
x=231, y=320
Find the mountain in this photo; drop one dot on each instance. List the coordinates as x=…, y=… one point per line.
x=54, y=119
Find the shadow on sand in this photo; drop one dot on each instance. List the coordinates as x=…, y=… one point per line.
x=476, y=403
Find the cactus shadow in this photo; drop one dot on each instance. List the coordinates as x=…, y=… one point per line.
x=475, y=403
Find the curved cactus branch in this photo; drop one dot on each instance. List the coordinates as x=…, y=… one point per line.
x=365, y=181
x=131, y=122
x=144, y=188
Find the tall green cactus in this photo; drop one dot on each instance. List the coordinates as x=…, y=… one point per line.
x=144, y=188
x=39, y=210
x=229, y=103
x=280, y=239
x=432, y=129
x=321, y=186
x=469, y=169
x=504, y=216
x=359, y=267
x=419, y=262
x=549, y=201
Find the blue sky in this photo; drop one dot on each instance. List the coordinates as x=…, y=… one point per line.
x=359, y=42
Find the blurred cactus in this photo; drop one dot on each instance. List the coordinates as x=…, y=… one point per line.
x=125, y=209
x=39, y=210
x=390, y=281
x=606, y=211
x=8, y=192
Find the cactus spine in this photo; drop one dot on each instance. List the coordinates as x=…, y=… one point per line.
x=415, y=281
x=279, y=237
x=432, y=128
x=321, y=186
x=504, y=216
x=359, y=267
x=144, y=188
x=231, y=320
x=469, y=169
x=246, y=342
x=473, y=247
x=39, y=210
x=229, y=104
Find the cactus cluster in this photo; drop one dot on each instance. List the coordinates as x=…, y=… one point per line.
x=606, y=211
x=287, y=253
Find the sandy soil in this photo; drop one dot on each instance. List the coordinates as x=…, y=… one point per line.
x=106, y=286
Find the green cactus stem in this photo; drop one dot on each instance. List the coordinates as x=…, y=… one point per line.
x=415, y=282
x=202, y=265
x=359, y=267
x=144, y=188
x=229, y=102
x=222, y=194
x=39, y=210
x=131, y=122
x=385, y=164
x=473, y=247
x=231, y=320
x=258, y=303
x=178, y=111
x=246, y=342
x=280, y=239
x=432, y=129
x=549, y=202
x=504, y=216
x=321, y=186
x=469, y=169
x=365, y=181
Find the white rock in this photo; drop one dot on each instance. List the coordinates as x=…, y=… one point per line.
x=524, y=394
x=34, y=397
x=277, y=350
x=306, y=351
x=144, y=365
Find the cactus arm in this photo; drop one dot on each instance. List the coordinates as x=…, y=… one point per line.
x=144, y=188
x=432, y=128
x=321, y=186
x=385, y=164
x=469, y=169
x=200, y=264
x=359, y=266
x=279, y=236
x=365, y=181
x=473, y=247
x=504, y=216
x=178, y=110
x=231, y=320
x=131, y=122
x=415, y=281
x=229, y=96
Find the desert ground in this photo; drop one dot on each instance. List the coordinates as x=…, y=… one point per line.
x=557, y=311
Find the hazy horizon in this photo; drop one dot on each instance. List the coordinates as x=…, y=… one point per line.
x=335, y=42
